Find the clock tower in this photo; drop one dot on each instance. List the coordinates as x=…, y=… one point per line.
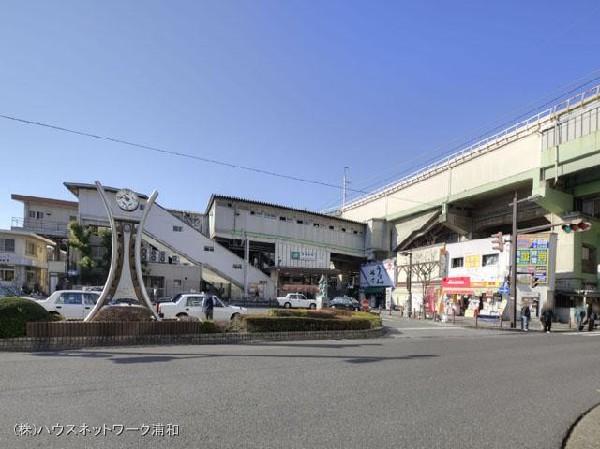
x=127, y=220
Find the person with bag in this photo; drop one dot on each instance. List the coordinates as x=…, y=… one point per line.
x=547, y=316
x=525, y=317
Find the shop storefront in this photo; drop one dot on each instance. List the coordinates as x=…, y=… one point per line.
x=464, y=296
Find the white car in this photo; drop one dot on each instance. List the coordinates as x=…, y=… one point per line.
x=70, y=304
x=296, y=300
x=191, y=305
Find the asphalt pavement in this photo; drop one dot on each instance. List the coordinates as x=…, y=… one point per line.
x=421, y=386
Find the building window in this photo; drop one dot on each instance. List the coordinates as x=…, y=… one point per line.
x=299, y=221
x=588, y=259
x=30, y=248
x=7, y=245
x=489, y=260
x=72, y=218
x=177, y=283
x=7, y=275
x=355, y=232
x=39, y=215
x=237, y=266
x=229, y=205
x=251, y=212
x=331, y=227
x=177, y=228
x=457, y=262
x=316, y=225
x=210, y=249
x=282, y=219
x=343, y=229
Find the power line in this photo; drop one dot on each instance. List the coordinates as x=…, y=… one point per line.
x=573, y=86
x=191, y=156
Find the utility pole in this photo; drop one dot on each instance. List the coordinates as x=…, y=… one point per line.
x=409, y=281
x=246, y=259
x=345, y=183
x=513, y=262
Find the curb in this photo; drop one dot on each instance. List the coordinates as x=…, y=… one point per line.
x=585, y=431
x=29, y=344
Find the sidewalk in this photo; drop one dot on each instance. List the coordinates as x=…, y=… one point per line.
x=487, y=323
x=586, y=433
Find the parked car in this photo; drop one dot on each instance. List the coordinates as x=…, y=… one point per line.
x=344, y=302
x=191, y=305
x=296, y=300
x=124, y=302
x=70, y=304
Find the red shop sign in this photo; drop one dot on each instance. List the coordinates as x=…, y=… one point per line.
x=454, y=282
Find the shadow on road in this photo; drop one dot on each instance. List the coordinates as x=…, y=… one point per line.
x=141, y=357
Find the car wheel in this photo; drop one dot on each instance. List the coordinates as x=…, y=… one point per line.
x=312, y=306
x=287, y=305
x=55, y=316
x=236, y=317
x=181, y=316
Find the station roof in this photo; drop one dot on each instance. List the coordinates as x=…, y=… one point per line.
x=276, y=206
x=44, y=200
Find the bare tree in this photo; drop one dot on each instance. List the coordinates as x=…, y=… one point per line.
x=425, y=269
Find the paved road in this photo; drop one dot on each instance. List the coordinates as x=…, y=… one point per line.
x=424, y=386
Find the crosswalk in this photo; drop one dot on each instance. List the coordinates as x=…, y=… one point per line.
x=584, y=334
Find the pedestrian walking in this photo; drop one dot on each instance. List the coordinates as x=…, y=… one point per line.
x=207, y=307
x=580, y=320
x=547, y=316
x=591, y=321
x=525, y=317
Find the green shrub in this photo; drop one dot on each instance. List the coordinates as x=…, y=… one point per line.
x=258, y=323
x=15, y=312
x=373, y=318
x=307, y=313
x=124, y=313
x=209, y=327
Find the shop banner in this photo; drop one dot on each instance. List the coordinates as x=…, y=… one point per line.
x=374, y=275
x=456, y=282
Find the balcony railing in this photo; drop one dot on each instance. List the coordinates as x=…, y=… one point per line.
x=45, y=227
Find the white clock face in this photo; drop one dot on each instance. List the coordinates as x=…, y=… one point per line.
x=127, y=200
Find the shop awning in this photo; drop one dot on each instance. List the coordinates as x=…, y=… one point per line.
x=409, y=229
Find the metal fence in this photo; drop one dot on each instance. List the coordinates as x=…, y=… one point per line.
x=111, y=329
x=572, y=127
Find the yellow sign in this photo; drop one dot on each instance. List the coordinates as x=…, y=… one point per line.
x=473, y=261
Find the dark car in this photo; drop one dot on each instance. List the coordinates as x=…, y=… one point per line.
x=124, y=302
x=344, y=302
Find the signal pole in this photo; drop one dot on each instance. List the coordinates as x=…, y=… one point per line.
x=513, y=262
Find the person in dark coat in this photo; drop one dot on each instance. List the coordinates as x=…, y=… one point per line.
x=547, y=316
x=207, y=307
x=525, y=317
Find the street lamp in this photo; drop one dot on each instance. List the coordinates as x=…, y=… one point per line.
x=409, y=280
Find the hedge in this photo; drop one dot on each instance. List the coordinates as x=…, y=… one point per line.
x=15, y=312
x=303, y=313
x=257, y=323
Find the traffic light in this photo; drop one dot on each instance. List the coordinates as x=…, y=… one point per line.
x=498, y=242
x=578, y=225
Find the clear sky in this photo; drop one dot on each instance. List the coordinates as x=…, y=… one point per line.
x=299, y=87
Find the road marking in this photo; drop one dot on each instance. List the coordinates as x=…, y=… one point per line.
x=586, y=333
x=440, y=328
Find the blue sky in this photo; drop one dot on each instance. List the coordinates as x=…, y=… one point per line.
x=298, y=87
